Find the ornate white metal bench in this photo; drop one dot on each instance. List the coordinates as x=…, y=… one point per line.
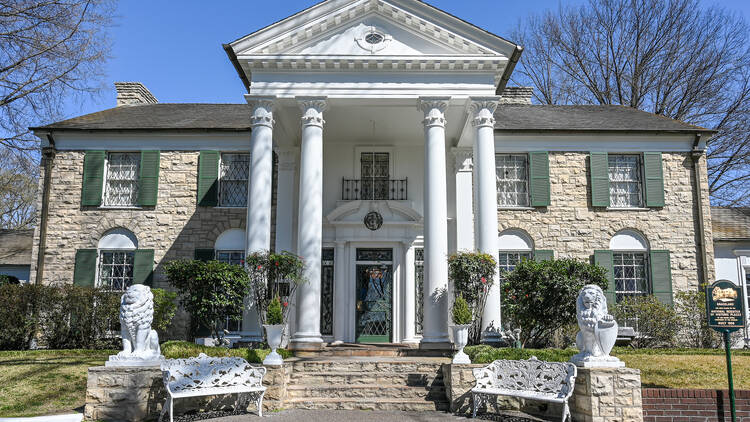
x=528, y=379
x=208, y=376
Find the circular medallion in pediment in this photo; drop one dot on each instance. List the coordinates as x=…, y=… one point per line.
x=374, y=221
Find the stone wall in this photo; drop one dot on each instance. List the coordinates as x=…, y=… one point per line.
x=573, y=229
x=667, y=405
x=607, y=395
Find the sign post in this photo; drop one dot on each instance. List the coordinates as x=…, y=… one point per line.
x=725, y=315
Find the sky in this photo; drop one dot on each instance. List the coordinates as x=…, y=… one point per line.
x=175, y=47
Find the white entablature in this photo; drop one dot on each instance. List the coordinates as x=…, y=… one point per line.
x=347, y=48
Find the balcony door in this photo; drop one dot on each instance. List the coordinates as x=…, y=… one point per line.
x=375, y=174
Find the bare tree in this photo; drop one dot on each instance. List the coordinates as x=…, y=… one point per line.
x=51, y=51
x=669, y=57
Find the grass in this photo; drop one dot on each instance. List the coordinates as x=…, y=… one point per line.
x=44, y=382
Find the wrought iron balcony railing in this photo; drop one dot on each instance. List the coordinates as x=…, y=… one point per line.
x=374, y=189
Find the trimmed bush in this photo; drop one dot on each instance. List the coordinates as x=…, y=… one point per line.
x=655, y=323
x=483, y=354
x=461, y=312
x=184, y=349
x=539, y=298
x=17, y=319
x=274, y=315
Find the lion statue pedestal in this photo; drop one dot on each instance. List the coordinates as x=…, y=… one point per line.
x=598, y=331
x=140, y=344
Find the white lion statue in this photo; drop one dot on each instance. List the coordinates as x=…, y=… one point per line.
x=140, y=344
x=598, y=330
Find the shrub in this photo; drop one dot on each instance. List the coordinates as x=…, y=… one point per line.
x=483, y=354
x=694, y=331
x=461, y=312
x=274, y=275
x=274, y=315
x=472, y=274
x=539, y=298
x=165, y=307
x=184, y=349
x=655, y=323
x=8, y=279
x=210, y=291
x=17, y=317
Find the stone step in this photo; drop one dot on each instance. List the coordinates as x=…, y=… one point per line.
x=367, y=366
x=343, y=378
x=366, y=404
x=366, y=391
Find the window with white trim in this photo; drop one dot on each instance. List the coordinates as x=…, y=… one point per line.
x=625, y=181
x=116, y=259
x=234, y=171
x=512, y=172
x=121, y=182
x=515, y=246
x=508, y=260
x=631, y=274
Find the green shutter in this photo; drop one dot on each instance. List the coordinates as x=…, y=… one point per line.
x=661, y=276
x=204, y=254
x=143, y=266
x=84, y=273
x=208, y=178
x=93, y=178
x=604, y=258
x=544, y=255
x=599, y=162
x=148, y=188
x=539, y=178
x=654, y=175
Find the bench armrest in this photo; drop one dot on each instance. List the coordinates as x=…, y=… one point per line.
x=485, y=377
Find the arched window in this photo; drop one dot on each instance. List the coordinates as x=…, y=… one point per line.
x=630, y=264
x=230, y=247
x=116, y=259
x=514, y=245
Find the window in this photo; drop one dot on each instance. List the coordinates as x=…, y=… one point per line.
x=326, y=291
x=116, y=259
x=515, y=245
x=507, y=261
x=631, y=276
x=512, y=180
x=231, y=257
x=121, y=187
x=419, y=283
x=230, y=248
x=375, y=175
x=625, y=186
x=233, y=175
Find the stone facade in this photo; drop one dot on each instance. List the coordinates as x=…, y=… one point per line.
x=607, y=394
x=574, y=229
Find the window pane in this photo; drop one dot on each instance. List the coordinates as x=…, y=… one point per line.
x=375, y=174
x=121, y=187
x=512, y=180
x=625, y=188
x=507, y=261
x=116, y=270
x=233, y=174
x=630, y=274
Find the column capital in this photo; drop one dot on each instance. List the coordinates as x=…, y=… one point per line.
x=312, y=110
x=482, y=111
x=434, y=110
x=262, y=110
x=464, y=159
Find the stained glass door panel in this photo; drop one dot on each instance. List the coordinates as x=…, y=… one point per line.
x=374, y=307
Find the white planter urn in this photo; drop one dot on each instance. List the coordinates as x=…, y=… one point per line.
x=274, y=334
x=460, y=339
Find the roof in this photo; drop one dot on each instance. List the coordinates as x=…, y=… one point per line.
x=574, y=118
x=510, y=117
x=730, y=223
x=162, y=116
x=15, y=246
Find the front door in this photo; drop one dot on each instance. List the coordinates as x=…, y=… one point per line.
x=374, y=308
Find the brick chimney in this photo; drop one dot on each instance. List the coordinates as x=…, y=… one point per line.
x=133, y=93
x=517, y=95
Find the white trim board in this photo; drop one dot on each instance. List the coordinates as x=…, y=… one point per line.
x=594, y=142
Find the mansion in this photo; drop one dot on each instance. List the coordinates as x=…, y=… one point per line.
x=376, y=137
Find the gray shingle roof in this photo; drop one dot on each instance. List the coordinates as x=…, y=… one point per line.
x=730, y=223
x=15, y=247
x=236, y=117
x=516, y=117
x=162, y=116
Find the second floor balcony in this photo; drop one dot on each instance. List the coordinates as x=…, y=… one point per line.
x=374, y=190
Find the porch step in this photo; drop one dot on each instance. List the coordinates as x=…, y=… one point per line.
x=368, y=366
x=372, y=378
x=388, y=404
x=367, y=391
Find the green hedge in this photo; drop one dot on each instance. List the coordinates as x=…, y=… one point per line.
x=184, y=349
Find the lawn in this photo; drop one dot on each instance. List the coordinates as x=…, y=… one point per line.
x=44, y=382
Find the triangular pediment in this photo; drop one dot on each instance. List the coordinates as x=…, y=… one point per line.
x=395, y=28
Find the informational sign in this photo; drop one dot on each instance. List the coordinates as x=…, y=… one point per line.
x=724, y=306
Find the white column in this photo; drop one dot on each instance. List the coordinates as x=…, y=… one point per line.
x=464, y=199
x=310, y=230
x=482, y=111
x=410, y=295
x=285, y=206
x=258, y=223
x=341, y=303
x=435, y=325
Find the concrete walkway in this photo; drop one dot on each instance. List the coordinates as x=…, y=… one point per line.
x=356, y=415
